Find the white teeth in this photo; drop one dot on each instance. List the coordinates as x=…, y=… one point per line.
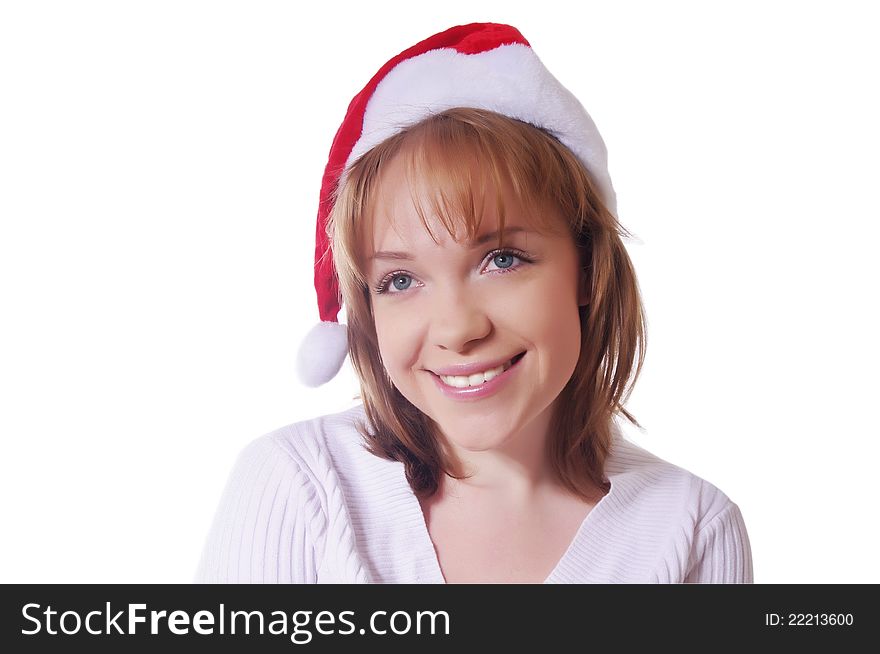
x=474, y=380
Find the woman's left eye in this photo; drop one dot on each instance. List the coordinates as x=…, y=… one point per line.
x=506, y=259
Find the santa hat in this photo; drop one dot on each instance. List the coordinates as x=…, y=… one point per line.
x=480, y=65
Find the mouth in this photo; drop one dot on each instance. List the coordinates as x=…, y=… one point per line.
x=481, y=378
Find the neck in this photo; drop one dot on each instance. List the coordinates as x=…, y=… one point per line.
x=518, y=469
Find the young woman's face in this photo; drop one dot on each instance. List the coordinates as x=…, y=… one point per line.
x=456, y=304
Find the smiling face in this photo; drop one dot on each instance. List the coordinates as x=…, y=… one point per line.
x=449, y=303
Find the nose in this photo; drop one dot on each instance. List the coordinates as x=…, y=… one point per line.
x=457, y=320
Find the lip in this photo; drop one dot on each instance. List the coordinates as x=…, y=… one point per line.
x=485, y=389
x=471, y=368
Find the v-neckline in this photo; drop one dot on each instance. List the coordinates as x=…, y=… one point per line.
x=429, y=551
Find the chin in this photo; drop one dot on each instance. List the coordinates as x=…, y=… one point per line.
x=475, y=435
x=477, y=444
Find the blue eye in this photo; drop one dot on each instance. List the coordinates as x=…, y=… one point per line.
x=399, y=281
x=504, y=256
x=505, y=259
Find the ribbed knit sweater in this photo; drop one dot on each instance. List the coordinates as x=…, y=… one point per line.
x=308, y=503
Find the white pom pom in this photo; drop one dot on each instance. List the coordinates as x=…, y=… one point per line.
x=321, y=353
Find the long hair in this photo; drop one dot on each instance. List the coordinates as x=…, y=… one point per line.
x=539, y=169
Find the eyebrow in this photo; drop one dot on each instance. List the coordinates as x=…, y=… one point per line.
x=485, y=238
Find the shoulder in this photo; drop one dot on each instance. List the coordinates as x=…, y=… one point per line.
x=650, y=484
x=678, y=526
x=331, y=430
x=314, y=445
x=275, y=511
x=329, y=454
x=297, y=464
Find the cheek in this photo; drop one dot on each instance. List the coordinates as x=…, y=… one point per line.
x=556, y=325
x=395, y=337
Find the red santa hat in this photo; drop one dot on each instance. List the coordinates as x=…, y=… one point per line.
x=480, y=65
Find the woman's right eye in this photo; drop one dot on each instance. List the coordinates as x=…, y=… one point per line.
x=394, y=283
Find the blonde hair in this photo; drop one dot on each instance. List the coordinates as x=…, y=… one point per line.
x=539, y=169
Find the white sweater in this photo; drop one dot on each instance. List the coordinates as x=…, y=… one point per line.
x=308, y=504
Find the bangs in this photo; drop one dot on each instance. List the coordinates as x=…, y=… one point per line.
x=459, y=164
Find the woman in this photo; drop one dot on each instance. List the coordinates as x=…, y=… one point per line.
x=467, y=220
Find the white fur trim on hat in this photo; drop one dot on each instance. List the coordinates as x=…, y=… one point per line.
x=510, y=80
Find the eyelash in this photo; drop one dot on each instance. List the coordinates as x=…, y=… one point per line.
x=382, y=286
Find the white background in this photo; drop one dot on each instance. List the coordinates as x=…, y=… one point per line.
x=160, y=164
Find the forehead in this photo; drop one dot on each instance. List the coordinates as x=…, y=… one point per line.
x=411, y=209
